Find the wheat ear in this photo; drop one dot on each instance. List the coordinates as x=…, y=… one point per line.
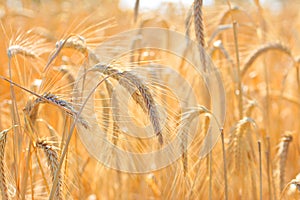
x=240, y=130
x=184, y=126
x=198, y=21
x=52, y=160
x=18, y=49
x=144, y=98
x=51, y=98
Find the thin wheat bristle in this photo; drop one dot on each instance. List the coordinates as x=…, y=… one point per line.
x=53, y=161
x=3, y=183
x=143, y=98
x=188, y=21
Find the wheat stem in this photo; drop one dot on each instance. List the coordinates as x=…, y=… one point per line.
x=260, y=170
x=238, y=74
x=136, y=10
x=3, y=183
x=224, y=164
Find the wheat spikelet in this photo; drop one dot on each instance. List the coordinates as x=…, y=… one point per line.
x=143, y=98
x=52, y=159
x=3, y=184
x=261, y=50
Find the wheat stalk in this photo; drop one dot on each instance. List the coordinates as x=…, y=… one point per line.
x=3, y=183
x=136, y=10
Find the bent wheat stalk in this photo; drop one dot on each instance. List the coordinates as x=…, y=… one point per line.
x=262, y=50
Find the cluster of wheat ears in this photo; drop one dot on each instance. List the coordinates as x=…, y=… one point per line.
x=52, y=60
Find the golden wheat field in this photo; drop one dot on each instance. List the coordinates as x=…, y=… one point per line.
x=181, y=101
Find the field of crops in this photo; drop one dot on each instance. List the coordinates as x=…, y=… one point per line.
x=198, y=101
